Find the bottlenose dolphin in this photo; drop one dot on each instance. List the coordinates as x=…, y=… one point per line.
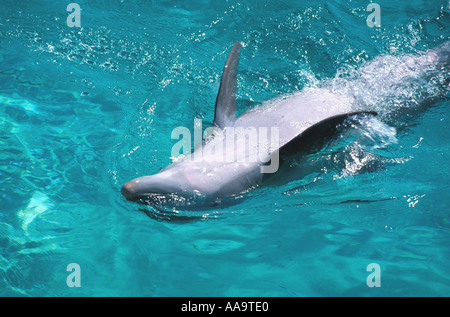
x=303, y=121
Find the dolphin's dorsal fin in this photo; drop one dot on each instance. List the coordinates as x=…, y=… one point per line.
x=226, y=98
x=314, y=138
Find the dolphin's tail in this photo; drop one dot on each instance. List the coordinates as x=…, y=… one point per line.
x=443, y=53
x=442, y=56
x=390, y=83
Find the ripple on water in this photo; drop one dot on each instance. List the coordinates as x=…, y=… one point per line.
x=211, y=246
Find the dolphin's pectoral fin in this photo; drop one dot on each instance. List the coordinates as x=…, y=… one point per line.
x=316, y=136
x=309, y=142
x=226, y=98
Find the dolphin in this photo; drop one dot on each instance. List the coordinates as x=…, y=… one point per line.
x=236, y=155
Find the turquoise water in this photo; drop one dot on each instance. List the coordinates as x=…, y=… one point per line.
x=83, y=110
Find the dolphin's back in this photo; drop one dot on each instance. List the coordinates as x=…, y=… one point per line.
x=292, y=114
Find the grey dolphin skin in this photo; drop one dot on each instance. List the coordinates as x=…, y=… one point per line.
x=226, y=165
